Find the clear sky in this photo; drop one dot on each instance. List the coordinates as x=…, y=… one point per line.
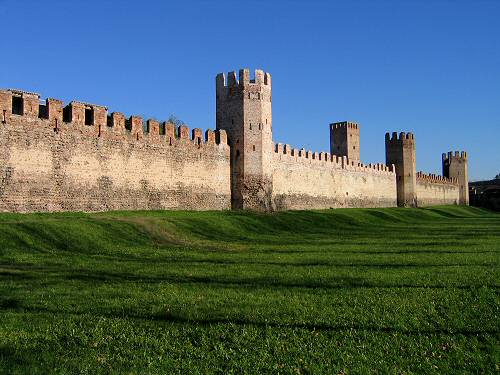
x=427, y=66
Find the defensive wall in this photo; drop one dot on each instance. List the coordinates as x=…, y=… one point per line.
x=79, y=158
x=434, y=190
x=305, y=179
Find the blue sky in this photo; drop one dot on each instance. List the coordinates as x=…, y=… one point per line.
x=428, y=66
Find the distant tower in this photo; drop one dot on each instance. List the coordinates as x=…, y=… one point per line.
x=400, y=151
x=244, y=111
x=344, y=139
x=455, y=166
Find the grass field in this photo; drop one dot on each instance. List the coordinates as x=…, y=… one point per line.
x=339, y=291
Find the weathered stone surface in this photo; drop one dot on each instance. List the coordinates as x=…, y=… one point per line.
x=301, y=182
x=79, y=158
x=74, y=167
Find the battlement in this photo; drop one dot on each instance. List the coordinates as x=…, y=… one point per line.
x=286, y=152
x=395, y=137
x=94, y=120
x=456, y=155
x=437, y=179
x=344, y=124
x=261, y=78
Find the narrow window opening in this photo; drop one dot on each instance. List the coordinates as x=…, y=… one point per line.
x=254, y=147
x=237, y=153
x=128, y=124
x=266, y=121
x=17, y=105
x=250, y=126
x=198, y=141
x=89, y=116
x=237, y=141
x=232, y=121
x=170, y=141
x=4, y=119
x=67, y=114
x=42, y=111
x=354, y=147
x=248, y=95
x=260, y=125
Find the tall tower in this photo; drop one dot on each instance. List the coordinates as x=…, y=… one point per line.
x=344, y=139
x=244, y=112
x=455, y=166
x=400, y=151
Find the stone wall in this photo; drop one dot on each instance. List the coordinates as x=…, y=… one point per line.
x=96, y=162
x=436, y=190
x=307, y=180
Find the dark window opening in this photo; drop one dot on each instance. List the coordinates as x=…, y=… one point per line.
x=254, y=147
x=128, y=124
x=4, y=118
x=346, y=193
x=67, y=114
x=237, y=153
x=42, y=111
x=17, y=105
x=232, y=121
x=354, y=147
x=170, y=141
x=162, y=128
x=89, y=116
x=248, y=95
x=109, y=121
x=198, y=141
x=260, y=126
x=250, y=126
x=237, y=141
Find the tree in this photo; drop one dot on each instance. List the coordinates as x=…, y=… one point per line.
x=176, y=121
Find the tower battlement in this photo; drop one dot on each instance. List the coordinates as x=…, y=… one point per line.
x=457, y=155
x=230, y=80
x=344, y=124
x=397, y=138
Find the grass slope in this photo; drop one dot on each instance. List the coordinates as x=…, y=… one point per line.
x=338, y=291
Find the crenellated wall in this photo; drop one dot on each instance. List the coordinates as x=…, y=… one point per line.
x=79, y=158
x=434, y=190
x=311, y=180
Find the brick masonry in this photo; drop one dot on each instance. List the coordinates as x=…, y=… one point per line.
x=80, y=158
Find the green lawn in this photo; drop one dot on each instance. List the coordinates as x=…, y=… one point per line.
x=340, y=291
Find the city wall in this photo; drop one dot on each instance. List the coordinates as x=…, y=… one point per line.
x=79, y=158
x=434, y=190
x=310, y=180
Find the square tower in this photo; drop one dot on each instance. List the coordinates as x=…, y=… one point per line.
x=455, y=166
x=344, y=140
x=244, y=111
x=401, y=152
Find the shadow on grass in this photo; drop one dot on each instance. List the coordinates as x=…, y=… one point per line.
x=176, y=318
x=56, y=276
